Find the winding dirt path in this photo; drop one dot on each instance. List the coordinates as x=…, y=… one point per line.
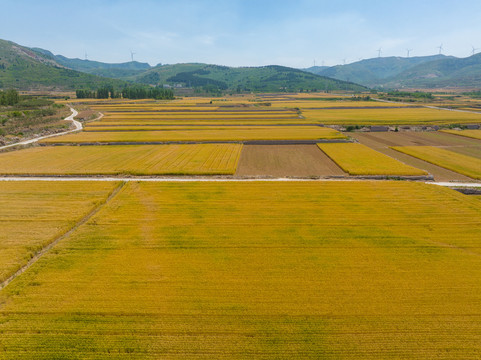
x=77, y=124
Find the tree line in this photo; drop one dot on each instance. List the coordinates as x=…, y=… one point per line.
x=129, y=92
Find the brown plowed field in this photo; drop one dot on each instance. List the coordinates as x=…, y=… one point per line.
x=286, y=160
x=382, y=141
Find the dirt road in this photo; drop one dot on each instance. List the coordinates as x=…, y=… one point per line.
x=77, y=124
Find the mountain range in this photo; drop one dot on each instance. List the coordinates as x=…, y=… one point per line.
x=437, y=71
x=34, y=68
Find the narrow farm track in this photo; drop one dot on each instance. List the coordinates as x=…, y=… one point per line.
x=45, y=249
x=77, y=124
x=218, y=179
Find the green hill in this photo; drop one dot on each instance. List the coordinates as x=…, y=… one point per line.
x=24, y=69
x=271, y=78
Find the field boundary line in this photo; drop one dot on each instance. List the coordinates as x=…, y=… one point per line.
x=77, y=124
x=50, y=245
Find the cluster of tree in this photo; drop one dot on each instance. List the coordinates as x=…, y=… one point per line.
x=85, y=94
x=130, y=92
x=360, y=98
x=474, y=94
x=407, y=94
x=142, y=92
x=9, y=97
x=103, y=92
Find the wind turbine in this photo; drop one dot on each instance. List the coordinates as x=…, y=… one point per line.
x=86, y=57
x=344, y=61
x=474, y=49
x=132, y=55
x=409, y=51
x=379, y=52
x=440, y=47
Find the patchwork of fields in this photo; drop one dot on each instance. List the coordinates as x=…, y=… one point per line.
x=257, y=270
x=181, y=269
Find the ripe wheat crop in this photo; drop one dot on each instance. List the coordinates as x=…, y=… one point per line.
x=358, y=159
x=463, y=164
x=394, y=116
x=185, y=159
x=32, y=215
x=252, y=133
x=348, y=270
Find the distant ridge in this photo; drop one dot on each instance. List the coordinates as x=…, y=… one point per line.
x=270, y=78
x=373, y=72
x=437, y=71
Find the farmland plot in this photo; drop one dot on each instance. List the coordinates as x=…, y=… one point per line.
x=475, y=134
x=463, y=164
x=372, y=270
x=183, y=159
x=394, y=116
x=249, y=133
x=358, y=159
x=286, y=160
x=34, y=215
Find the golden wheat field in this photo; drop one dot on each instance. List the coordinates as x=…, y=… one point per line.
x=358, y=159
x=135, y=126
x=394, y=116
x=463, y=164
x=332, y=270
x=245, y=134
x=255, y=121
x=174, y=159
x=34, y=215
x=198, y=115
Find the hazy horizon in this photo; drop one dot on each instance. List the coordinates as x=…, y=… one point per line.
x=244, y=33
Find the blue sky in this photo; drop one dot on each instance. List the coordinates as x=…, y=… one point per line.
x=243, y=33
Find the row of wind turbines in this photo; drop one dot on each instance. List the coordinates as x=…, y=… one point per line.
x=440, y=47
x=408, y=53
